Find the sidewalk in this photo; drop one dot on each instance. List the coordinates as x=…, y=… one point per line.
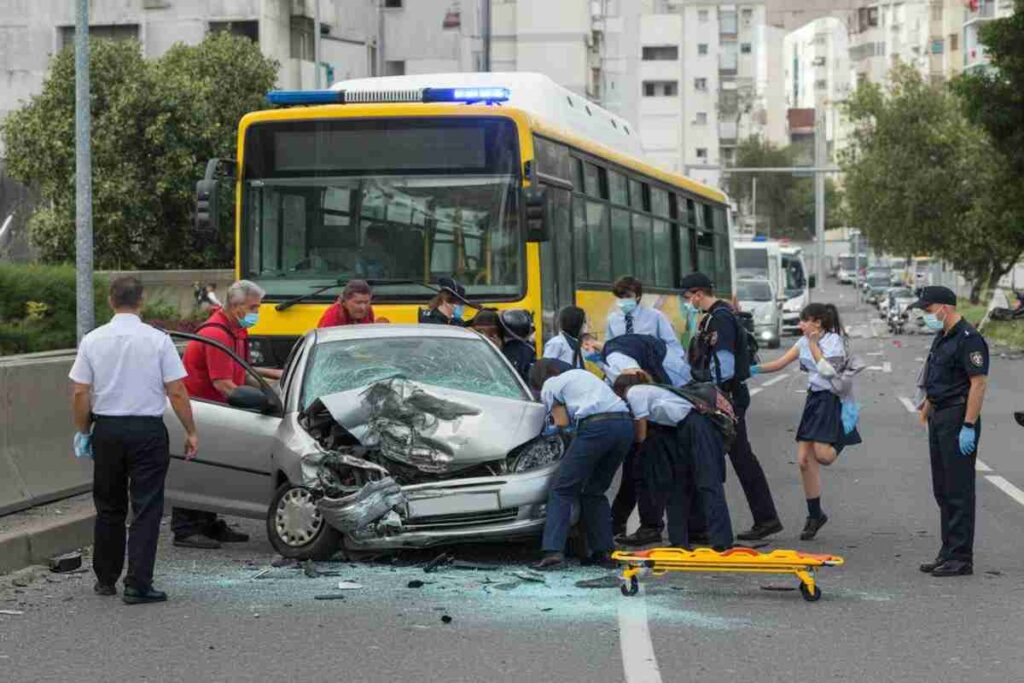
x=33, y=536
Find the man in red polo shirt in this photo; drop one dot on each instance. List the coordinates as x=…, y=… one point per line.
x=212, y=376
x=353, y=307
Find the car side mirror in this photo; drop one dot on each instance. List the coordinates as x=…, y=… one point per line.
x=536, y=214
x=812, y=281
x=250, y=398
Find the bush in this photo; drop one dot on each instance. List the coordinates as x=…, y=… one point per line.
x=38, y=309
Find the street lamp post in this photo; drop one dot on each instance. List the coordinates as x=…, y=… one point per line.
x=85, y=313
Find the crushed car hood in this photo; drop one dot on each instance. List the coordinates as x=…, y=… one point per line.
x=432, y=428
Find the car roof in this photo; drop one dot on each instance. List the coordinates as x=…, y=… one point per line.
x=390, y=331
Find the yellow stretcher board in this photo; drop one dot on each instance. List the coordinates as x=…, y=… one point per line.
x=658, y=561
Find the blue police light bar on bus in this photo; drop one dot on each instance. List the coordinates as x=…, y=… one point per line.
x=292, y=98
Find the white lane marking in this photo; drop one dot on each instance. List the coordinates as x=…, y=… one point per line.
x=638, y=660
x=886, y=366
x=775, y=380
x=756, y=390
x=1007, y=488
x=979, y=466
x=908, y=404
x=876, y=367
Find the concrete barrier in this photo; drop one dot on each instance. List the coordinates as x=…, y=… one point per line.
x=37, y=464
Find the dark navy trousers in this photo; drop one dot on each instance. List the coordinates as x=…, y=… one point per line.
x=953, y=481
x=585, y=473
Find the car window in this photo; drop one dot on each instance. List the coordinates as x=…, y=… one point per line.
x=463, y=364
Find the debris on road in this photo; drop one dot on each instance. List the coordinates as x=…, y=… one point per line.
x=476, y=566
x=66, y=562
x=329, y=596
x=11, y=612
x=260, y=575
x=310, y=570
x=439, y=561
x=280, y=562
x=609, y=581
x=415, y=583
x=445, y=619
x=533, y=577
x=349, y=586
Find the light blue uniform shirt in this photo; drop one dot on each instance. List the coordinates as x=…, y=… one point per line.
x=657, y=405
x=558, y=347
x=645, y=321
x=831, y=345
x=726, y=364
x=582, y=394
x=676, y=367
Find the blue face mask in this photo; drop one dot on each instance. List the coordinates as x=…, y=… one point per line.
x=457, y=311
x=249, y=320
x=932, y=322
x=627, y=306
x=689, y=309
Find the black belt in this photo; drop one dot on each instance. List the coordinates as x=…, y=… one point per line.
x=949, y=402
x=601, y=417
x=129, y=418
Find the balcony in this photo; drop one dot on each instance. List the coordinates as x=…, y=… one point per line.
x=728, y=63
x=727, y=131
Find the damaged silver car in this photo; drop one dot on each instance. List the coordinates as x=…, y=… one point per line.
x=377, y=436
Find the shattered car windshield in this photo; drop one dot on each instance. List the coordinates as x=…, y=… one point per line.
x=461, y=364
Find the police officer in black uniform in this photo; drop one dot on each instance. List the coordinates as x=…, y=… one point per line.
x=449, y=306
x=954, y=383
x=718, y=353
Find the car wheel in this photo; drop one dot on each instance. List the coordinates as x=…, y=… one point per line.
x=296, y=528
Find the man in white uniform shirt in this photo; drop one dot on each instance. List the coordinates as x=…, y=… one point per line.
x=123, y=375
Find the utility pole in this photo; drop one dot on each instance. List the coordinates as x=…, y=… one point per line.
x=819, y=191
x=316, y=41
x=85, y=311
x=753, y=208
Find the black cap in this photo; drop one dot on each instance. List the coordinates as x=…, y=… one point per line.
x=517, y=323
x=934, y=294
x=450, y=284
x=696, y=281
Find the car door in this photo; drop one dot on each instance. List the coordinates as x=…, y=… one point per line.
x=232, y=471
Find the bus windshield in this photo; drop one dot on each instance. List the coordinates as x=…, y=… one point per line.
x=751, y=262
x=385, y=199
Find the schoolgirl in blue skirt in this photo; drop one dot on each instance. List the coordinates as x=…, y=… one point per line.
x=821, y=435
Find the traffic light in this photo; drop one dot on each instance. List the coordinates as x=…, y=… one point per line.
x=207, y=214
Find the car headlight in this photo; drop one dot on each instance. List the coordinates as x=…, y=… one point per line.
x=532, y=455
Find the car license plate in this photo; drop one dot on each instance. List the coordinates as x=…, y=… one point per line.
x=454, y=504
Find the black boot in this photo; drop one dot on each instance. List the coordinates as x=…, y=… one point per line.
x=812, y=526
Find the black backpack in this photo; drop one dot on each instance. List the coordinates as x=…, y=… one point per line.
x=712, y=403
x=702, y=357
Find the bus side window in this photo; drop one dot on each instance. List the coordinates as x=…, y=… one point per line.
x=599, y=263
x=579, y=239
x=685, y=250
x=691, y=213
x=664, y=275
x=643, y=248
x=622, y=243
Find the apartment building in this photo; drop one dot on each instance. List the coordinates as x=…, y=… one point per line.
x=817, y=76
x=883, y=32
x=975, y=15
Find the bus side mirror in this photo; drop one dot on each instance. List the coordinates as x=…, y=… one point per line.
x=812, y=281
x=207, y=216
x=207, y=221
x=536, y=214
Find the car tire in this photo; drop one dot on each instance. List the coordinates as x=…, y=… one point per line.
x=295, y=527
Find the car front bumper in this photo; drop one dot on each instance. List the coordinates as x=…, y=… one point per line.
x=468, y=510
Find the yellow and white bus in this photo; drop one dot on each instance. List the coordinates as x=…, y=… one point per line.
x=528, y=194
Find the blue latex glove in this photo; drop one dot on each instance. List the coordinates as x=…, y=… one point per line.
x=850, y=414
x=549, y=430
x=593, y=357
x=83, y=445
x=755, y=370
x=968, y=440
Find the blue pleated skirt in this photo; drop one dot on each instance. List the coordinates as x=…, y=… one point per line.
x=822, y=421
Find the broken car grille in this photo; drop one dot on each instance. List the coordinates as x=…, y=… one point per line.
x=462, y=519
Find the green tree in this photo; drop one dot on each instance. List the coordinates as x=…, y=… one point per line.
x=921, y=179
x=785, y=202
x=154, y=125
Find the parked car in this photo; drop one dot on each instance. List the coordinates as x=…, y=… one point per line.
x=378, y=437
x=758, y=297
x=877, y=284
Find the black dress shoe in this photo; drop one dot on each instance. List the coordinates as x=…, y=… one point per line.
x=104, y=589
x=812, y=526
x=220, y=531
x=929, y=567
x=550, y=562
x=640, y=537
x=196, y=541
x=603, y=560
x=954, y=568
x=699, y=539
x=759, y=531
x=135, y=596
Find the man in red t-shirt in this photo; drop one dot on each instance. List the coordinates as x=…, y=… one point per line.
x=212, y=376
x=353, y=307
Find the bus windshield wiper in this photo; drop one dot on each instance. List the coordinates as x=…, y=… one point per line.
x=285, y=305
